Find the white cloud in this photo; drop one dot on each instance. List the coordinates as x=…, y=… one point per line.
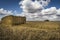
x=5, y=12
x=34, y=10
x=51, y=14
x=52, y=10
x=32, y=7
x=58, y=11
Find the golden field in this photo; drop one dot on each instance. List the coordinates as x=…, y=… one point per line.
x=34, y=30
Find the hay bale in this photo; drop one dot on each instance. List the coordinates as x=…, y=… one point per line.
x=13, y=20
x=18, y=20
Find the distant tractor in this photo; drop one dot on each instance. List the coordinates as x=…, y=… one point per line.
x=13, y=20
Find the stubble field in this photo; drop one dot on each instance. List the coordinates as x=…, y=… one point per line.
x=31, y=31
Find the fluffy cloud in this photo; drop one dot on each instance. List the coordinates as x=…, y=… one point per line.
x=52, y=10
x=5, y=13
x=52, y=14
x=32, y=7
x=58, y=11
x=34, y=10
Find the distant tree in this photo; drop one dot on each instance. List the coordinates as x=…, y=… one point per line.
x=46, y=20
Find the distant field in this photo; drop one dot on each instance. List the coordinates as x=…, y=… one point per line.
x=31, y=31
x=42, y=25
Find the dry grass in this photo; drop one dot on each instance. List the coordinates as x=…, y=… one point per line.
x=31, y=31
x=42, y=25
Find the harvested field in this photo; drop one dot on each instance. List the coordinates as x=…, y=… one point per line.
x=31, y=31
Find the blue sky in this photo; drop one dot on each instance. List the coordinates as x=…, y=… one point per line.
x=10, y=5
x=14, y=4
x=52, y=8
x=54, y=3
